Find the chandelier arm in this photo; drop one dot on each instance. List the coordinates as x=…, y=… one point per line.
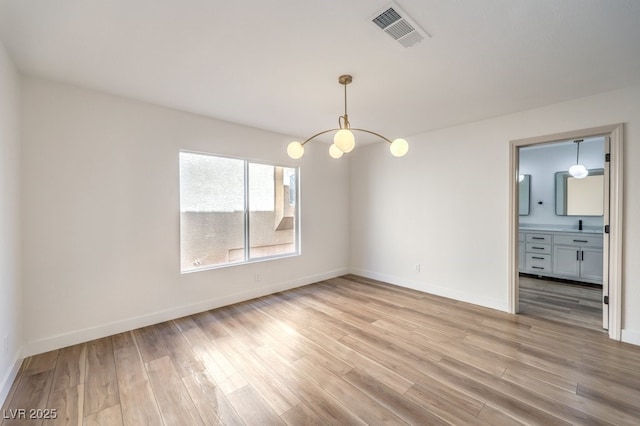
x=355, y=130
x=318, y=134
x=343, y=122
x=578, y=154
x=373, y=133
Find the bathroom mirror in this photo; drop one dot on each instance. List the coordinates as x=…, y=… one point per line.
x=580, y=197
x=525, y=194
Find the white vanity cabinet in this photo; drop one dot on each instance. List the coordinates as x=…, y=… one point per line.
x=538, y=253
x=570, y=255
x=578, y=257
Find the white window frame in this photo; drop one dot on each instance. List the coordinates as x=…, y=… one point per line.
x=247, y=224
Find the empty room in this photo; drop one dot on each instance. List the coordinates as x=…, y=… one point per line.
x=301, y=212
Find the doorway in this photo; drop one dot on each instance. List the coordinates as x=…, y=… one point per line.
x=611, y=221
x=561, y=219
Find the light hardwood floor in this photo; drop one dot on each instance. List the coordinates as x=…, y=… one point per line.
x=568, y=303
x=344, y=351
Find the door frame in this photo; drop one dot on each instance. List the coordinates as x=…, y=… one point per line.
x=612, y=249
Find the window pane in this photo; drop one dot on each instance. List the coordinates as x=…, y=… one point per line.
x=211, y=211
x=272, y=210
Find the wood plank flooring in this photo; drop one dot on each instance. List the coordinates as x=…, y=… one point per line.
x=344, y=351
x=567, y=303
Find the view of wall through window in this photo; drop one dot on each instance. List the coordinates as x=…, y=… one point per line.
x=234, y=211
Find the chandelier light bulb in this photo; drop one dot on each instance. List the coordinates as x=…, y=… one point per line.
x=578, y=171
x=295, y=150
x=399, y=147
x=344, y=140
x=334, y=151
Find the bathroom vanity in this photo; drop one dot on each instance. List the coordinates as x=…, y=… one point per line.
x=568, y=254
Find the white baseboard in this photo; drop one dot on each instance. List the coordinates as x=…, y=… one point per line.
x=631, y=336
x=88, y=334
x=487, y=302
x=8, y=379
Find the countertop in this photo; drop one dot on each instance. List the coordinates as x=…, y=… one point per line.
x=562, y=228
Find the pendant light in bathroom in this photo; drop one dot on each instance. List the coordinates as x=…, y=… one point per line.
x=578, y=171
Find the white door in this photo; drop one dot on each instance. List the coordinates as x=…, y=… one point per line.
x=606, y=221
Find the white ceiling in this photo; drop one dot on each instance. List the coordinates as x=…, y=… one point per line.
x=274, y=64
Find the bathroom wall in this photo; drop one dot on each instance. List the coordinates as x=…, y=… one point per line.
x=542, y=162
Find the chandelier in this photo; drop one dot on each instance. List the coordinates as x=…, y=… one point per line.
x=344, y=140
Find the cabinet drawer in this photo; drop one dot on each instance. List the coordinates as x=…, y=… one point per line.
x=538, y=248
x=578, y=240
x=539, y=238
x=538, y=263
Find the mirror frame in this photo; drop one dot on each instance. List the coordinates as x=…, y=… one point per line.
x=521, y=196
x=560, y=183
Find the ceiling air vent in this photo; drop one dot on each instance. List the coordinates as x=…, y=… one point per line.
x=396, y=23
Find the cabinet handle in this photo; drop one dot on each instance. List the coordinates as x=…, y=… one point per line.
x=582, y=255
x=577, y=254
x=537, y=257
x=538, y=248
x=537, y=238
x=580, y=241
x=536, y=267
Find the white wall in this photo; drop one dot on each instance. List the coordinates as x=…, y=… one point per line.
x=10, y=291
x=542, y=162
x=100, y=240
x=101, y=215
x=445, y=205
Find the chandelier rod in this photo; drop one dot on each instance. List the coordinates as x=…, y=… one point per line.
x=345, y=98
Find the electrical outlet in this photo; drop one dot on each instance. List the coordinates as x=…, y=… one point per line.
x=418, y=267
x=257, y=277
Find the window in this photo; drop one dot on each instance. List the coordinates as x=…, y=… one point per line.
x=234, y=211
